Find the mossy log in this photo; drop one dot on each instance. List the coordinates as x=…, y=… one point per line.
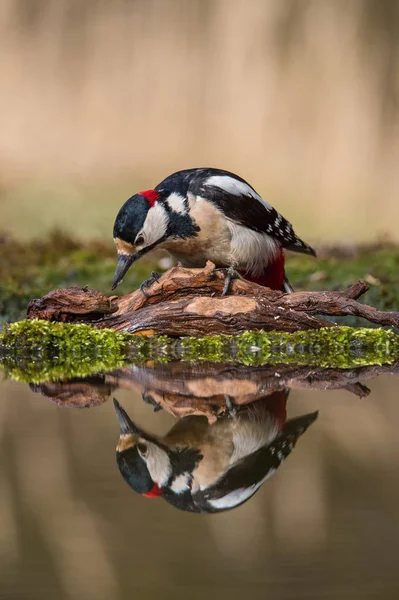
x=188, y=302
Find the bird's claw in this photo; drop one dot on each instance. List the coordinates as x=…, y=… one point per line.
x=230, y=408
x=155, y=277
x=229, y=275
x=148, y=399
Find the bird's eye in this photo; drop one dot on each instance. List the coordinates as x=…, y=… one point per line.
x=139, y=240
x=142, y=449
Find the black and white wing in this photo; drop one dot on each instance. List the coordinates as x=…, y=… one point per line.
x=243, y=479
x=243, y=205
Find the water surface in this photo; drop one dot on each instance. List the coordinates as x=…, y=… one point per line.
x=325, y=525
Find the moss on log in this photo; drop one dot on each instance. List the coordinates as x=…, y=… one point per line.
x=37, y=351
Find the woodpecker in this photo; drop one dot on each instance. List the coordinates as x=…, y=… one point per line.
x=207, y=214
x=206, y=468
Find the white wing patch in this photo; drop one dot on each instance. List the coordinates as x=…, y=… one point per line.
x=176, y=203
x=181, y=483
x=155, y=225
x=251, y=250
x=235, y=187
x=239, y=496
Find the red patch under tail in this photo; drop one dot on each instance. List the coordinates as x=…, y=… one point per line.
x=277, y=406
x=272, y=276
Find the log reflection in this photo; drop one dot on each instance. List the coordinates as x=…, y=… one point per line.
x=184, y=389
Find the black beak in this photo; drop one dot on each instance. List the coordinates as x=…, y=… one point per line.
x=125, y=261
x=125, y=423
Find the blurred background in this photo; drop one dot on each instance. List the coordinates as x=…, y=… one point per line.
x=100, y=99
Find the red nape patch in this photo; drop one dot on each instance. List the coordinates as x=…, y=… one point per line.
x=277, y=406
x=272, y=276
x=151, y=195
x=154, y=492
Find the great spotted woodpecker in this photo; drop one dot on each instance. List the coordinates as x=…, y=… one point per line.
x=206, y=468
x=207, y=214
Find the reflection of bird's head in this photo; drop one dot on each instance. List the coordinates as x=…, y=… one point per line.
x=143, y=461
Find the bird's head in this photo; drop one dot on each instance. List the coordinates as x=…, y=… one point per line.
x=141, y=224
x=143, y=461
x=147, y=220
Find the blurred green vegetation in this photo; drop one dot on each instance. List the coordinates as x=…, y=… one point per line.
x=32, y=269
x=337, y=268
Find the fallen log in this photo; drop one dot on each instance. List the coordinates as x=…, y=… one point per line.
x=189, y=302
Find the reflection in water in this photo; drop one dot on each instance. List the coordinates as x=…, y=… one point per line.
x=324, y=525
x=207, y=468
x=232, y=434
x=201, y=388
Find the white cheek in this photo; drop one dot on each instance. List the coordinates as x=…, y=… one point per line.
x=155, y=225
x=158, y=465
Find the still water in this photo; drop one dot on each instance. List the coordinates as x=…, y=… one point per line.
x=324, y=523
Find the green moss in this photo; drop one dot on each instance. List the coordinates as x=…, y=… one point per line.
x=340, y=347
x=210, y=348
x=41, y=336
x=37, y=351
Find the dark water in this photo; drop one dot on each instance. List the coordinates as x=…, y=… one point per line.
x=324, y=525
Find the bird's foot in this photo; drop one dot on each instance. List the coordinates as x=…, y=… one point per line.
x=287, y=287
x=155, y=277
x=229, y=275
x=230, y=408
x=148, y=399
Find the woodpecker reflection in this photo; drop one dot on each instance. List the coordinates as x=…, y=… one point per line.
x=208, y=468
